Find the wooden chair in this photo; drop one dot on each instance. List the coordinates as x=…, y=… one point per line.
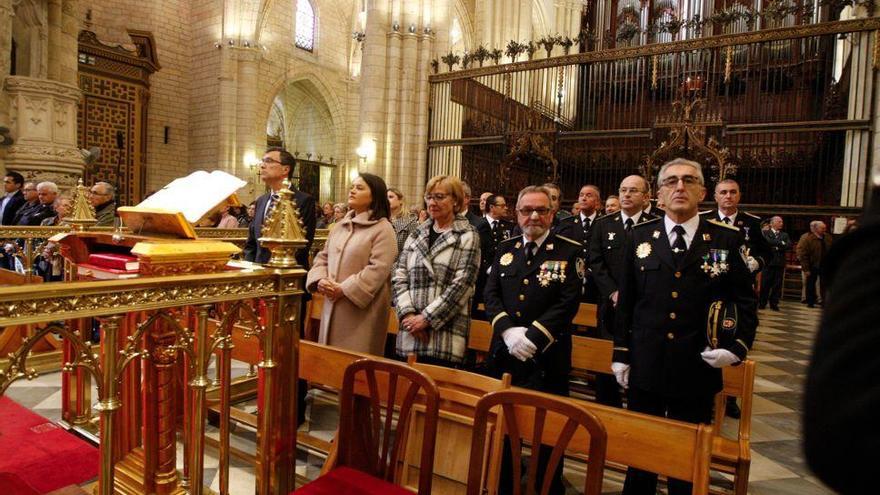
x=733, y=456
x=370, y=442
x=587, y=316
x=313, y=317
x=460, y=391
x=539, y=419
x=480, y=336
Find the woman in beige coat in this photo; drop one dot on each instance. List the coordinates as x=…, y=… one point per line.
x=353, y=270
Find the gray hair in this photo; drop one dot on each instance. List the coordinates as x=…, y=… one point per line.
x=815, y=224
x=680, y=161
x=51, y=186
x=533, y=189
x=109, y=190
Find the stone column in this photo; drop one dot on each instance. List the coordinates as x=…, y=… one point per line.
x=6, y=13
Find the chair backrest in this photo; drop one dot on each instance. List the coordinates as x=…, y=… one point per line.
x=539, y=419
x=586, y=315
x=591, y=354
x=480, y=336
x=739, y=381
x=393, y=322
x=370, y=439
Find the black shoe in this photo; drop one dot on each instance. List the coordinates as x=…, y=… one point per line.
x=731, y=410
x=775, y=308
x=811, y=305
x=763, y=306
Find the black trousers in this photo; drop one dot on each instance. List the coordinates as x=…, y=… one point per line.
x=812, y=282
x=505, y=481
x=693, y=409
x=607, y=388
x=771, y=285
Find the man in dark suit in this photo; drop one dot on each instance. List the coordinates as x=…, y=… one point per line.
x=278, y=165
x=675, y=268
x=14, y=198
x=531, y=298
x=577, y=228
x=31, y=201
x=493, y=229
x=472, y=218
x=608, y=238
x=771, y=278
x=46, y=194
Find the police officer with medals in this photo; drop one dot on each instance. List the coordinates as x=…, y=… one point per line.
x=680, y=270
x=608, y=238
x=531, y=297
x=758, y=254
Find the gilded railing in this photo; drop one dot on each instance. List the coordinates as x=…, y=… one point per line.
x=157, y=337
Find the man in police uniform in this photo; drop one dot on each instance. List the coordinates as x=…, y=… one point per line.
x=578, y=227
x=493, y=228
x=531, y=297
x=676, y=267
x=607, y=241
x=727, y=195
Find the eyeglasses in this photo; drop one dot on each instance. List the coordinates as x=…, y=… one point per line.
x=631, y=190
x=96, y=193
x=268, y=161
x=436, y=197
x=527, y=212
x=689, y=180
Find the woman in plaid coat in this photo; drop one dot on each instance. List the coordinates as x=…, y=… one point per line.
x=434, y=277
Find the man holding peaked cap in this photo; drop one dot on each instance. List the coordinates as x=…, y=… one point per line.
x=680, y=272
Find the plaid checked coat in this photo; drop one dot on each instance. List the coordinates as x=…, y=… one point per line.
x=438, y=283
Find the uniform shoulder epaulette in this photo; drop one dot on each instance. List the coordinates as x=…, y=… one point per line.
x=646, y=222
x=509, y=239
x=562, y=237
x=722, y=224
x=600, y=217
x=756, y=217
x=706, y=212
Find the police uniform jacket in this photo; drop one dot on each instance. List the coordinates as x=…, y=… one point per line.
x=573, y=228
x=663, y=307
x=607, y=242
x=541, y=296
x=489, y=241
x=750, y=227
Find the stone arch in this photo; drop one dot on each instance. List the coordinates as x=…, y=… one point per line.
x=319, y=85
x=540, y=22
x=466, y=19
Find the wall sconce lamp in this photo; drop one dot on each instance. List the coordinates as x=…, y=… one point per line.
x=412, y=29
x=362, y=153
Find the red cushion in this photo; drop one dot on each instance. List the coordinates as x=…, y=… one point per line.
x=348, y=481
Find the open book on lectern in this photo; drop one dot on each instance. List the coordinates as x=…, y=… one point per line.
x=174, y=209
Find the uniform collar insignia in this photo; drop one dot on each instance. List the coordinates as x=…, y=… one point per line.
x=707, y=237
x=656, y=234
x=518, y=245
x=611, y=236
x=549, y=247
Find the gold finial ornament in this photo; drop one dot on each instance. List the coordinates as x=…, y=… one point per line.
x=283, y=232
x=83, y=214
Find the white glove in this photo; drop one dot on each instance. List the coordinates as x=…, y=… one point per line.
x=518, y=345
x=719, y=358
x=621, y=373
x=752, y=263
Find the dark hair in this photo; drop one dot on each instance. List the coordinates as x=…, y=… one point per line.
x=16, y=177
x=490, y=202
x=379, y=191
x=287, y=159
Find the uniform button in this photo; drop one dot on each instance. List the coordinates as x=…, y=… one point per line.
x=525, y=281
x=642, y=268
x=518, y=314
x=670, y=336
x=671, y=316
x=674, y=295
x=522, y=297
x=677, y=274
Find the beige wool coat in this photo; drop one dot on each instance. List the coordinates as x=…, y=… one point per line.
x=359, y=254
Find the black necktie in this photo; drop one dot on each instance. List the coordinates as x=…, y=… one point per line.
x=726, y=220
x=495, y=229
x=586, y=224
x=628, y=224
x=530, y=252
x=679, y=247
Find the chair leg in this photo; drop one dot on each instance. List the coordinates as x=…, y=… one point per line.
x=741, y=478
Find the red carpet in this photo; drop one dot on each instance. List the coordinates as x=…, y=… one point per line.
x=40, y=454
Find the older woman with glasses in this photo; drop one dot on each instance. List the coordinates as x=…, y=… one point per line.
x=434, y=277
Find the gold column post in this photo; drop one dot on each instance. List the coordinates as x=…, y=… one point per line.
x=199, y=384
x=109, y=402
x=283, y=235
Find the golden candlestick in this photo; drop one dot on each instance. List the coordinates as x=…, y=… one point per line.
x=283, y=232
x=83, y=214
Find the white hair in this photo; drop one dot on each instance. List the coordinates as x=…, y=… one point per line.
x=680, y=161
x=51, y=186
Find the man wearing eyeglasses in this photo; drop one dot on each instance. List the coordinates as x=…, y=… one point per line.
x=31, y=201
x=675, y=267
x=607, y=241
x=531, y=297
x=101, y=197
x=13, y=198
x=276, y=166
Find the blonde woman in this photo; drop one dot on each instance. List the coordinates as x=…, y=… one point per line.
x=404, y=224
x=434, y=277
